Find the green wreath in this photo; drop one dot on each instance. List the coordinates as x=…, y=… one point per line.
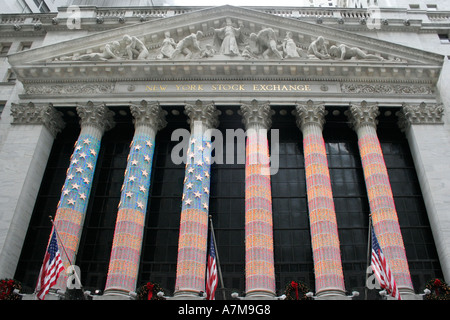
x=7, y=287
x=439, y=290
x=297, y=291
x=149, y=291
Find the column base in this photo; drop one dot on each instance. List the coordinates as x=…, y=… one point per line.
x=259, y=295
x=407, y=294
x=187, y=295
x=114, y=294
x=332, y=295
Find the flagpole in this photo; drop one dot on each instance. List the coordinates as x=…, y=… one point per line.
x=64, y=249
x=369, y=241
x=219, y=269
x=60, y=241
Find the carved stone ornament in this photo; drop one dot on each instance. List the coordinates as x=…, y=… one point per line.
x=88, y=88
x=310, y=113
x=98, y=116
x=386, y=88
x=420, y=114
x=206, y=113
x=151, y=115
x=38, y=114
x=363, y=115
x=256, y=115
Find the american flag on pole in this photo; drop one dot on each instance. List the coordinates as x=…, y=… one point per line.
x=51, y=268
x=211, y=271
x=381, y=269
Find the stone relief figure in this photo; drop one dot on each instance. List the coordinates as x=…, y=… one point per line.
x=226, y=39
x=135, y=48
x=110, y=51
x=266, y=43
x=317, y=49
x=344, y=52
x=188, y=45
x=208, y=52
x=248, y=54
x=290, y=49
x=167, y=48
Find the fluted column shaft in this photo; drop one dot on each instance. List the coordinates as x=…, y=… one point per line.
x=259, y=256
x=129, y=229
x=324, y=231
x=71, y=210
x=192, y=245
x=381, y=200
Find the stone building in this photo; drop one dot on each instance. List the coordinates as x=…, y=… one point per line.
x=138, y=128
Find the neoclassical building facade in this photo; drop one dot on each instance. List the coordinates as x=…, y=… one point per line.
x=125, y=126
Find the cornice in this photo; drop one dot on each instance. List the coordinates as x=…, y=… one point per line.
x=210, y=70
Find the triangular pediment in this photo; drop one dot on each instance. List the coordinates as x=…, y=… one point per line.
x=158, y=51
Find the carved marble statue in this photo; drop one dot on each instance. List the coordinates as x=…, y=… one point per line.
x=290, y=49
x=188, y=45
x=318, y=49
x=208, y=52
x=248, y=54
x=135, y=48
x=344, y=52
x=110, y=51
x=265, y=42
x=167, y=48
x=226, y=39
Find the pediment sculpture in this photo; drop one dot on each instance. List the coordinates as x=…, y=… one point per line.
x=227, y=42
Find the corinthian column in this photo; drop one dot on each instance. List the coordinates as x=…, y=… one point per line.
x=381, y=201
x=259, y=260
x=192, y=245
x=129, y=231
x=71, y=210
x=322, y=217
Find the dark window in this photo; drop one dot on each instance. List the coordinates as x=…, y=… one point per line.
x=4, y=49
x=292, y=240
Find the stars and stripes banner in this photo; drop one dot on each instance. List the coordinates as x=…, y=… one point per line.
x=192, y=246
x=51, y=268
x=211, y=271
x=76, y=191
x=381, y=269
x=129, y=230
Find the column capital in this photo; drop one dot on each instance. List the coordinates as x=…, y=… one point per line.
x=255, y=114
x=44, y=114
x=98, y=116
x=149, y=114
x=422, y=113
x=363, y=114
x=206, y=113
x=310, y=113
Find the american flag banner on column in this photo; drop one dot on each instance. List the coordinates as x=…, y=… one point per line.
x=381, y=269
x=211, y=271
x=51, y=268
